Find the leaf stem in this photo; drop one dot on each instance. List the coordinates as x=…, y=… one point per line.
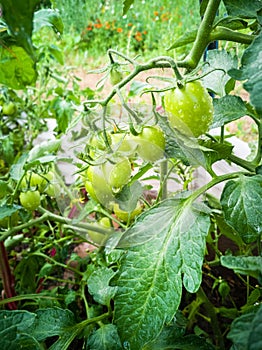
x=212, y=314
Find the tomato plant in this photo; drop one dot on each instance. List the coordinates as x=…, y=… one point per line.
x=129, y=226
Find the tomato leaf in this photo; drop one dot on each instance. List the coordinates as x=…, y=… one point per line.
x=220, y=61
x=13, y=329
x=98, y=285
x=243, y=8
x=19, y=19
x=249, y=70
x=17, y=69
x=246, y=330
x=48, y=18
x=241, y=210
x=166, y=242
x=246, y=265
x=227, y=109
x=7, y=210
x=105, y=338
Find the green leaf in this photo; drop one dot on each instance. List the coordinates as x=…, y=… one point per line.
x=137, y=87
x=13, y=329
x=105, y=338
x=217, y=151
x=126, y=5
x=7, y=210
x=51, y=322
x=246, y=265
x=17, y=69
x=227, y=109
x=243, y=8
x=185, y=39
x=98, y=285
x=220, y=61
x=233, y=23
x=250, y=70
x=245, y=332
x=48, y=18
x=19, y=19
x=241, y=202
x=166, y=242
x=44, y=149
x=128, y=197
x=174, y=330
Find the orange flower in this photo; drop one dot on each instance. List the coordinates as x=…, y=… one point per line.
x=119, y=30
x=98, y=25
x=156, y=13
x=129, y=24
x=89, y=27
x=107, y=25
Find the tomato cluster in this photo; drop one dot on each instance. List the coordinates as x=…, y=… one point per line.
x=34, y=184
x=113, y=170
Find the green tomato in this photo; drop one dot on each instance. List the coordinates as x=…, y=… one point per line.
x=98, y=237
x=117, y=174
x=101, y=189
x=30, y=200
x=124, y=144
x=115, y=75
x=126, y=216
x=9, y=108
x=189, y=109
x=151, y=143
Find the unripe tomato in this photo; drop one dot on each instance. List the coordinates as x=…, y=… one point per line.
x=123, y=143
x=151, y=143
x=101, y=188
x=9, y=108
x=117, y=174
x=115, y=75
x=98, y=237
x=126, y=216
x=189, y=109
x=30, y=200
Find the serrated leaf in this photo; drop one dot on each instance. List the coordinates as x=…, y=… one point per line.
x=245, y=332
x=98, y=285
x=13, y=326
x=251, y=63
x=243, y=8
x=166, y=242
x=51, y=322
x=48, y=18
x=105, y=338
x=126, y=5
x=8, y=210
x=220, y=61
x=128, y=197
x=241, y=202
x=246, y=265
x=227, y=109
x=217, y=151
x=17, y=69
